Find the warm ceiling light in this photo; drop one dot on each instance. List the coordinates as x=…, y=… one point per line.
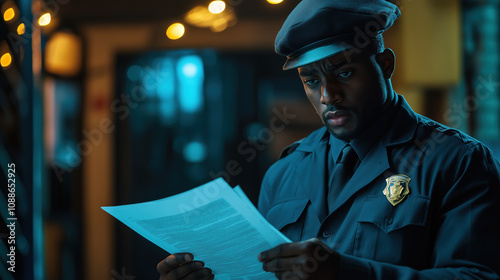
x=63, y=54
x=175, y=31
x=200, y=16
x=274, y=1
x=21, y=29
x=6, y=60
x=44, y=20
x=9, y=14
x=217, y=7
x=219, y=25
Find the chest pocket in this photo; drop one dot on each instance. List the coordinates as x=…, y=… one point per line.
x=286, y=217
x=378, y=211
x=386, y=232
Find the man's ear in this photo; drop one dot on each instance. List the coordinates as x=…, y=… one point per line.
x=387, y=62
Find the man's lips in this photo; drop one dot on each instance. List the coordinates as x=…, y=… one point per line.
x=338, y=117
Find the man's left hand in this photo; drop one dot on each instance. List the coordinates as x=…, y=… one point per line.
x=310, y=259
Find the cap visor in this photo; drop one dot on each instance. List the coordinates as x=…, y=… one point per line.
x=314, y=55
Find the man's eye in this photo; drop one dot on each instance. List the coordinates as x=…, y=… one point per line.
x=311, y=82
x=345, y=75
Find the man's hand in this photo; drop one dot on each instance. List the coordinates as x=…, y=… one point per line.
x=310, y=259
x=182, y=266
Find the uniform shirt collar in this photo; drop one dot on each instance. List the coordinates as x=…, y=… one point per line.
x=336, y=146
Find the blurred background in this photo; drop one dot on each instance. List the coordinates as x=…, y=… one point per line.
x=107, y=102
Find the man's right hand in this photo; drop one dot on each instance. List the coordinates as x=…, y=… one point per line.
x=182, y=266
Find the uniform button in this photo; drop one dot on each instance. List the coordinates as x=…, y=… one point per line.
x=388, y=221
x=326, y=234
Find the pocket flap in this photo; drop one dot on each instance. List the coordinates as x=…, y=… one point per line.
x=411, y=211
x=286, y=212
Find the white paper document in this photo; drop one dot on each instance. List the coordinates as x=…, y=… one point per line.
x=216, y=223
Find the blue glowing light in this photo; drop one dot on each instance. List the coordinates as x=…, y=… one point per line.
x=194, y=152
x=134, y=73
x=166, y=89
x=190, y=74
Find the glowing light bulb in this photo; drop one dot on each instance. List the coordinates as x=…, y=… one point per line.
x=21, y=29
x=175, y=31
x=274, y=1
x=44, y=19
x=9, y=14
x=6, y=60
x=217, y=7
x=219, y=25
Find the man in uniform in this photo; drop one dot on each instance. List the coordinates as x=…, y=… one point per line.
x=379, y=192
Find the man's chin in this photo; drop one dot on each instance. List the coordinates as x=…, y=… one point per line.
x=342, y=133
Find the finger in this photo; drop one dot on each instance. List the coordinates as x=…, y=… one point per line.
x=284, y=250
x=292, y=268
x=289, y=275
x=192, y=270
x=282, y=264
x=178, y=259
x=311, y=246
x=201, y=274
x=321, y=244
x=173, y=261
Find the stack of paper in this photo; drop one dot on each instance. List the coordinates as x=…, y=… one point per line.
x=217, y=224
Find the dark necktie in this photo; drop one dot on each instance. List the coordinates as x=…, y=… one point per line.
x=343, y=172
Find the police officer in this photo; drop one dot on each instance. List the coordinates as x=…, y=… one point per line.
x=379, y=192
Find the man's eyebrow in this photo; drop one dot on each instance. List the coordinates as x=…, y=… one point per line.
x=307, y=73
x=335, y=66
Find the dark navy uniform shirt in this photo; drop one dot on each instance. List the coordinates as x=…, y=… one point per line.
x=444, y=223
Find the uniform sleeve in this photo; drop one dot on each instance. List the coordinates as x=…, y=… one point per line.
x=264, y=196
x=273, y=177
x=466, y=229
x=270, y=183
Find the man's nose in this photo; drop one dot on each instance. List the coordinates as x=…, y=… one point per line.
x=330, y=94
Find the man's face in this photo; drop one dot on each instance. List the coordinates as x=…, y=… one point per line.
x=347, y=95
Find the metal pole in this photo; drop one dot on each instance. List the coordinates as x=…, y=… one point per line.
x=32, y=141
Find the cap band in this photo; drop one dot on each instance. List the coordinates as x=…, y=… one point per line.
x=327, y=48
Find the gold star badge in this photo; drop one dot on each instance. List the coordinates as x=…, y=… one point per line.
x=397, y=188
